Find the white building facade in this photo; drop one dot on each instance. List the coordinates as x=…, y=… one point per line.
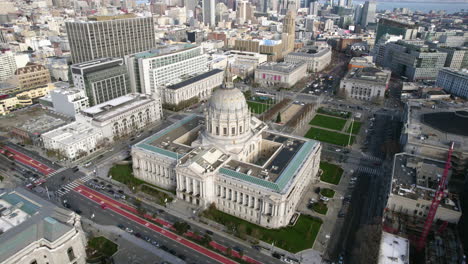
x=365, y=84
x=74, y=140
x=281, y=74
x=124, y=115
x=231, y=160
x=317, y=58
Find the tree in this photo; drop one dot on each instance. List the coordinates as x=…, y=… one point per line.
x=181, y=227
x=278, y=118
x=206, y=239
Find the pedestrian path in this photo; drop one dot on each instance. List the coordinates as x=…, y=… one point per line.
x=70, y=186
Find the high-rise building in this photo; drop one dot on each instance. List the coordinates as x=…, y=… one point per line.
x=408, y=30
x=150, y=69
x=110, y=36
x=209, y=13
x=358, y=14
x=102, y=79
x=289, y=31
x=368, y=13
x=7, y=65
x=313, y=8
x=244, y=12
x=341, y=2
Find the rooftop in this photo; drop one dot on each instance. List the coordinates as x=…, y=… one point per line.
x=422, y=126
x=280, y=66
x=164, y=50
x=26, y=218
x=193, y=79
x=273, y=172
x=107, y=110
x=41, y=124
x=417, y=178
x=72, y=133
x=311, y=51
x=393, y=249
x=369, y=74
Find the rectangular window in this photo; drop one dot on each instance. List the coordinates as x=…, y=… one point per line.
x=225, y=130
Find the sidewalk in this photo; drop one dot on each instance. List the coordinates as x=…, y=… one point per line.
x=131, y=249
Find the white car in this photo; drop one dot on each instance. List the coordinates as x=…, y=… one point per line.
x=128, y=230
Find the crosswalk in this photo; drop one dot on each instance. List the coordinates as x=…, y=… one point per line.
x=369, y=170
x=72, y=185
x=56, y=172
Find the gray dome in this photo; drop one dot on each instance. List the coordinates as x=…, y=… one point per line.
x=227, y=100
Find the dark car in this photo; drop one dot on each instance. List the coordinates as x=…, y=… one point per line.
x=111, y=191
x=78, y=211
x=67, y=205
x=75, y=169
x=120, y=191
x=209, y=232
x=109, y=186
x=238, y=249
x=182, y=257
x=138, y=235
x=121, y=226
x=256, y=247
x=164, y=248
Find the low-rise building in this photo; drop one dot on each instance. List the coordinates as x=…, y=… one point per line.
x=200, y=86
x=31, y=131
x=393, y=249
x=74, y=140
x=24, y=98
x=360, y=62
x=454, y=82
x=316, y=57
x=123, y=115
x=365, y=83
x=32, y=76
x=36, y=231
x=69, y=101
x=280, y=74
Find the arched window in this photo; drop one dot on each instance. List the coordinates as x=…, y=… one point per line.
x=71, y=254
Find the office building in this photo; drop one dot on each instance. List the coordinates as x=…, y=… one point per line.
x=396, y=27
x=413, y=60
x=110, y=36
x=151, y=69
x=37, y=231
x=101, y=79
x=231, y=160
x=289, y=31
x=199, y=86
x=368, y=13
x=316, y=57
x=314, y=7
x=365, y=84
x=209, y=9
x=32, y=76
x=454, y=82
x=457, y=58
x=282, y=74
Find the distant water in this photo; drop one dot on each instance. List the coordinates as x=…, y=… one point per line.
x=424, y=7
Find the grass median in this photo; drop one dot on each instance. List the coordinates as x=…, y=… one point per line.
x=329, y=136
x=257, y=108
x=356, y=127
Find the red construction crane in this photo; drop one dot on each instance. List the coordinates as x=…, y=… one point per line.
x=436, y=201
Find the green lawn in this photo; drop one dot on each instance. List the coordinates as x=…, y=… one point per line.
x=104, y=246
x=292, y=238
x=331, y=173
x=257, y=108
x=328, y=111
x=320, y=208
x=327, y=192
x=328, y=122
x=329, y=137
x=159, y=195
x=356, y=127
x=123, y=174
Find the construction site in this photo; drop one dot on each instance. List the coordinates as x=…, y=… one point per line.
x=421, y=209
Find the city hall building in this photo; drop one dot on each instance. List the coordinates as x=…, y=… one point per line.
x=232, y=160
